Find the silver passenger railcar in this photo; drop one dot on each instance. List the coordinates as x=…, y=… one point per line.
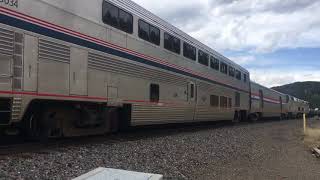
x=267, y=103
x=78, y=67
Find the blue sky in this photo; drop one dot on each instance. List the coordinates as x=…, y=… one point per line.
x=278, y=41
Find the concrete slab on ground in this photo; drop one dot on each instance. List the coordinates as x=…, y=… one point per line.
x=117, y=174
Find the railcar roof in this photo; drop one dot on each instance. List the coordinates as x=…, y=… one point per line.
x=157, y=21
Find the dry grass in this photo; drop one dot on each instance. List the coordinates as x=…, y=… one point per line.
x=312, y=136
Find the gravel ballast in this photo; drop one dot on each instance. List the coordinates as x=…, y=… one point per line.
x=269, y=150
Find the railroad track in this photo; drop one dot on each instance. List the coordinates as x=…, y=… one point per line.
x=15, y=145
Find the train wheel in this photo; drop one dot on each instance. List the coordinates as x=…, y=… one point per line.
x=236, y=118
x=253, y=117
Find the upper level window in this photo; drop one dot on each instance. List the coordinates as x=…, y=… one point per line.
x=214, y=63
x=189, y=51
x=117, y=17
x=171, y=43
x=149, y=32
x=203, y=58
x=238, y=74
x=231, y=71
x=224, y=68
x=245, y=77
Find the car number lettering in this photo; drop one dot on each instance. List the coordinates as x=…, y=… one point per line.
x=12, y=3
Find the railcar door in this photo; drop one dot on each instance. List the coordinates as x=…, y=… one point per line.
x=192, y=97
x=261, y=100
x=30, y=63
x=78, y=72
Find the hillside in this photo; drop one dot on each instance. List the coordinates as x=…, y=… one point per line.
x=309, y=91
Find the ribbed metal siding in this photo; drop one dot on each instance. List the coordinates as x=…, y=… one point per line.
x=147, y=113
x=207, y=113
x=118, y=66
x=18, y=61
x=53, y=51
x=6, y=42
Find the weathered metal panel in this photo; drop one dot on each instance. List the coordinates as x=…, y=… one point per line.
x=78, y=71
x=30, y=63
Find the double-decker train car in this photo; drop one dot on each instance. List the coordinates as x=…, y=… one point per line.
x=267, y=103
x=86, y=67
x=78, y=67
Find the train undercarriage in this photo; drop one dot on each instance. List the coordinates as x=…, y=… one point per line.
x=53, y=119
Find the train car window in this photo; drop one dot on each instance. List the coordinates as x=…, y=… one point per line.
x=154, y=93
x=143, y=30
x=203, y=58
x=237, y=99
x=214, y=63
x=223, y=102
x=238, y=74
x=110, y=14
x=117, y=18
x=189, y=51
x=230, y=103
x=224, y=68
x=125, y=21
x=171, y=43
x=192, y=91
x=231, y=71
x=287, y=99
x=154, y=35
x=214, y=101
x=244, y=77
x=148, y=32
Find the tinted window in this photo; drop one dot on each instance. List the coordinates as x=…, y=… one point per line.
x=189, y=51
x=192, y=91
x=110, y=14
x=231, y=71
x=238, y=74
x=154, y=35
x=125, y=21
x=154, y=93
x=223, y=102
x=214, y=63
x=245, y=77
x=171, y=43
x=203, y=58
x=144, y=29
x=214, y=101
x=117, y=18
x=237, y=100
x=230, y=103
x=224, y=68
x=149, y=32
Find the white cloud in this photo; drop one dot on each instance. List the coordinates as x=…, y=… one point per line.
x=254, y=27
x=262, y=26
x=242, y=60
x=271, y=78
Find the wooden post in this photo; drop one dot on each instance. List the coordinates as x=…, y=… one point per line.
x=304, y=123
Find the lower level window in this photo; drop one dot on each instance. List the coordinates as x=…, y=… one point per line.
x=214, y=101
x=154, y=92
x=223, y=102
x=230, y=103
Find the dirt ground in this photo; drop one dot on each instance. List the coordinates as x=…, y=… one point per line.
x=271, y=150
